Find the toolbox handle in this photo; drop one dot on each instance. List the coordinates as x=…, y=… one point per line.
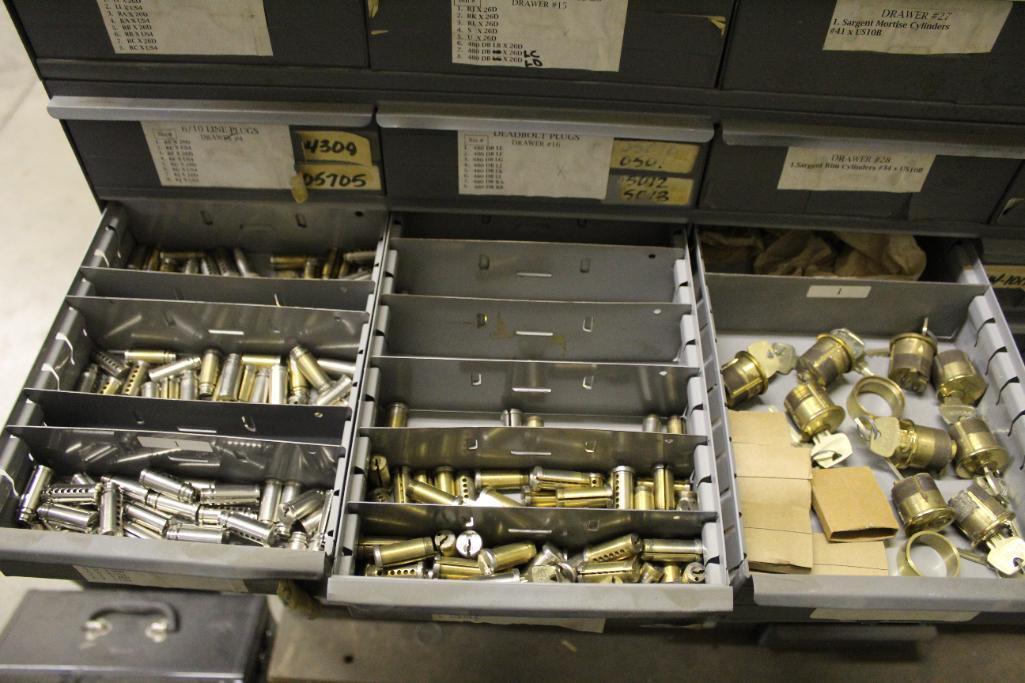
x=209, y=111
x=749, y=133
x=140, y=608
x=460, y=117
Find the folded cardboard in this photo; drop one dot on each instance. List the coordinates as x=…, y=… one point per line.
x=851, y=506
x=857, y=558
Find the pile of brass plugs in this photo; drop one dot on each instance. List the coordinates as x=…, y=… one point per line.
x=300, y=379
x=334, y=265
x=620, y=488
x=160, y=506
x=981, y=512
x=627, y=559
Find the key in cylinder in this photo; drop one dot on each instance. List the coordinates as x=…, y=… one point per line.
x=978, y=449
x=921, y=505
x=956, y=379
x=911, y=357
x=833, y=354
x=986, y=521
x=906, y=444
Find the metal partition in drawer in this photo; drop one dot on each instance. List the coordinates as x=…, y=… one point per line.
x=860, y=169
x=964, y=314
x=612, y=163
x=592, y=413
x=967, y=54
x=232, y=442
x=267, y=32
x=1011, y=210
x=611, y=41
x=219, y=149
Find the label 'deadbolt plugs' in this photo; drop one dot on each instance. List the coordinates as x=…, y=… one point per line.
x=934, y=27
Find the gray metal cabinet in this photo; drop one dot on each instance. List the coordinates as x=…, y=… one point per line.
x=778, y=46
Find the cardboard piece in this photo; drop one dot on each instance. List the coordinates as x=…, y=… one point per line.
x=786, y=462
x=769, y=429
x=851, y=506
x=858, y=558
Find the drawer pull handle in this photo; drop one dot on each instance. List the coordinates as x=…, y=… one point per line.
x=530, y=273
x=534, y=333
x=234, y=333
x=538, y=454
x=532, y=390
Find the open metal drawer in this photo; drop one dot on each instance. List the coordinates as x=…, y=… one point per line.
x=110, y=306
x=592, y=408
x=963, y=312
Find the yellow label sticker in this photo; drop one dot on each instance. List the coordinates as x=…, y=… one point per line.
x=1006, y=277
x=651, y=189
x=340, y=177
x=650, y=155
x=335, y=145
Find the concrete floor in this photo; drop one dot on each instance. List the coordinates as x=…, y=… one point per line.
x=50, y=220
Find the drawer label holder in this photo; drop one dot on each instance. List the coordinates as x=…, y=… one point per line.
x=853, y=170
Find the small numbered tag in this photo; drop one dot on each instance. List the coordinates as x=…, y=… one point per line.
x=762, y=351
x=787, y=355
x=831, y=449
x=1007, y=555
x=884, y=436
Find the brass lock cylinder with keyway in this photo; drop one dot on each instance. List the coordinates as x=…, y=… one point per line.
x=833, y=354
x=978, y=449
x=922, y=448
x=911, y=358
x=979, y=514
x=956, y=379
x=921, y=505
x=743, y=378
x=812, y=410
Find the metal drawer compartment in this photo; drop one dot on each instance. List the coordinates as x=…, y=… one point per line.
x=968, y=55
x=963, y=313
x=856, y=169
x=624, y=163
x=265, y=32
x=231, y=442
x=221, y=149
x=591, y=411
x=655, y=42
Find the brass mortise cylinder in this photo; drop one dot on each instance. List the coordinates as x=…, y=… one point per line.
x=955, y=378
x=378, y=472
x=586, y=497
x=911, y=356
x=675, y=425
x=466, y=487
x=209, y=371
x=979, y=515
x=650, y=573
x=921, y=505
x=398, y=415
x=809, y=406
x=622, y=479
x=445, y=479
x=644, y=497
x=663, y=491
x=454, y=568
x=651, y=423
x=833, y=354
x=621, y=548
x=495, y=560
x=925, y=448
x=366, y=544
x=628, y=571
x=672, y=573
x=978, y=449
x=404, y=552
x=502, y=480
x=743, y=379
x=420, y=492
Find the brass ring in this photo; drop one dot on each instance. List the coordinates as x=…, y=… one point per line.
x=886, y=389
x=938, y=542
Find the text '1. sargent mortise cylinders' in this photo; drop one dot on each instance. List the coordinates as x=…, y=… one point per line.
x=623, y=559
x=911, y=358
x=159, y=505
x=748, y=373
x=986, y=521
x=213, y=375
x=833, y=354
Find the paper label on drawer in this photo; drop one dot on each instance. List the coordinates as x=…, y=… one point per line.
x=187, y=27
x=651, y=155
x=335, y=145
x=936, y=27
x=539, y=34
x=1006, y=277
x=129, y=577
x=839, y=291
x=340, y=177
x=246, y=156
x=521, y=164
x=654, y=189
x=853, y=170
